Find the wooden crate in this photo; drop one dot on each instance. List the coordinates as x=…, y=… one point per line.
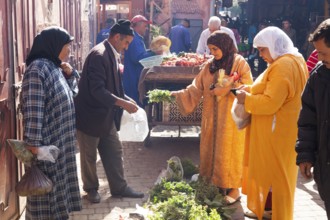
x=171, y=113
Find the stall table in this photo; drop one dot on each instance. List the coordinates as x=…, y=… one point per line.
x=168, y=78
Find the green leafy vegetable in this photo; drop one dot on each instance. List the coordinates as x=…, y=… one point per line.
x=189, y=168
x=158, y=95
x=181, y=200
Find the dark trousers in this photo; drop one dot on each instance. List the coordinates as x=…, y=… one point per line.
x=111, y=152
x=327, y=208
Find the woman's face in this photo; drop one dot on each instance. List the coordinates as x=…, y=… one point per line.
x=65, y=52
x=215, y=51
x=265, y=54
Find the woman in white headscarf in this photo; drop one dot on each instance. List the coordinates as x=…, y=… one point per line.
x=274, y=101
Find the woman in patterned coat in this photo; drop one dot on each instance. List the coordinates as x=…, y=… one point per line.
x=222, y=144
x=48, y=87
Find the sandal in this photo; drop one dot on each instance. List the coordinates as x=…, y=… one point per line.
x=230, y=200
x=266, y=215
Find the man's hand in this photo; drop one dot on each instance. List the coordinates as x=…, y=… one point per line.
x=129, y=106
x=305, y=169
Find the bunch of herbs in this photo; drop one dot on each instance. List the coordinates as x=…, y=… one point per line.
x=158, y=95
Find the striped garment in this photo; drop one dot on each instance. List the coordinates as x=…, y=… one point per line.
x=312, y=61
x=49, y=119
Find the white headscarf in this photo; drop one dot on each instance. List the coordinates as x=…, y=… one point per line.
x=277, y=41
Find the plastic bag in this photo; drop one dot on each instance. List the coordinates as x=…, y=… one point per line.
x=174, y=171
x=34, y=182
x=21, y=152
x=48, y=153
x=239, y=115
x=134, y=127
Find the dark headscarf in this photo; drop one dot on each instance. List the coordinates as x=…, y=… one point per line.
x=224, y=42
x=48, y=44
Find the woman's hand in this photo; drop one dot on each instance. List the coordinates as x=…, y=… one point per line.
x=33, y=149
x=174, y=94
x=240, y=95
x=244, y=87
x=66, y=68
x=221, y=91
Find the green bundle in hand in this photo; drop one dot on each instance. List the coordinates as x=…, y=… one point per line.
x=158, y=95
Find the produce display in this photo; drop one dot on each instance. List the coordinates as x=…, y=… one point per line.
x=182, y=199
x=185, y=59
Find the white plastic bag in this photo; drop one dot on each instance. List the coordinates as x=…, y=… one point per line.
x=48, y=153
x=240, y=116
x=134, y=127
x=174, y=171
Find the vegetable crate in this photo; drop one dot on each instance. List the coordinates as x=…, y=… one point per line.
x=171, y=113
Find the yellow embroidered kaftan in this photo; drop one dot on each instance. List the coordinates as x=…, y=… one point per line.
x=222, y=144
x=274, y=102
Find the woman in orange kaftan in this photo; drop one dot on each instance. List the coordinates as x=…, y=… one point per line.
x=222, y=144
x=274, y=101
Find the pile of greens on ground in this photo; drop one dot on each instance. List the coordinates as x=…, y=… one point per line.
x=180, y=200
x=158, y=95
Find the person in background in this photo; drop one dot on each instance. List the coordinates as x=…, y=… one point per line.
x=214, y=24
x=222, y=144
x=180, y=37
x=104, y=33
x=287, y=28
x=136, y=51
x=48, y=86
x=231, y=25
x=252, y=31
x=312, y=61
x=312, y=145
x=99, y=106
x=274, y=103
x=262, y=65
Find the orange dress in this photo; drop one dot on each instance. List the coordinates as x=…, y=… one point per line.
x=221, y=144
x=274, y=102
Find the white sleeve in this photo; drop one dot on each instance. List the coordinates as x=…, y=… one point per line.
x=201, y=46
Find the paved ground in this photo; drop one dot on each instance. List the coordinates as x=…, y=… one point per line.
x=143, y=165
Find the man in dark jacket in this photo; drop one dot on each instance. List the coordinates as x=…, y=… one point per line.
x=313, y=144
x=99, y=107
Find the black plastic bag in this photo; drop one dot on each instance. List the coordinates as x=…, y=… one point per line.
x=34, y=182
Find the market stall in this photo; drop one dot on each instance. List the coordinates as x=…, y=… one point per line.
x=168, y=78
